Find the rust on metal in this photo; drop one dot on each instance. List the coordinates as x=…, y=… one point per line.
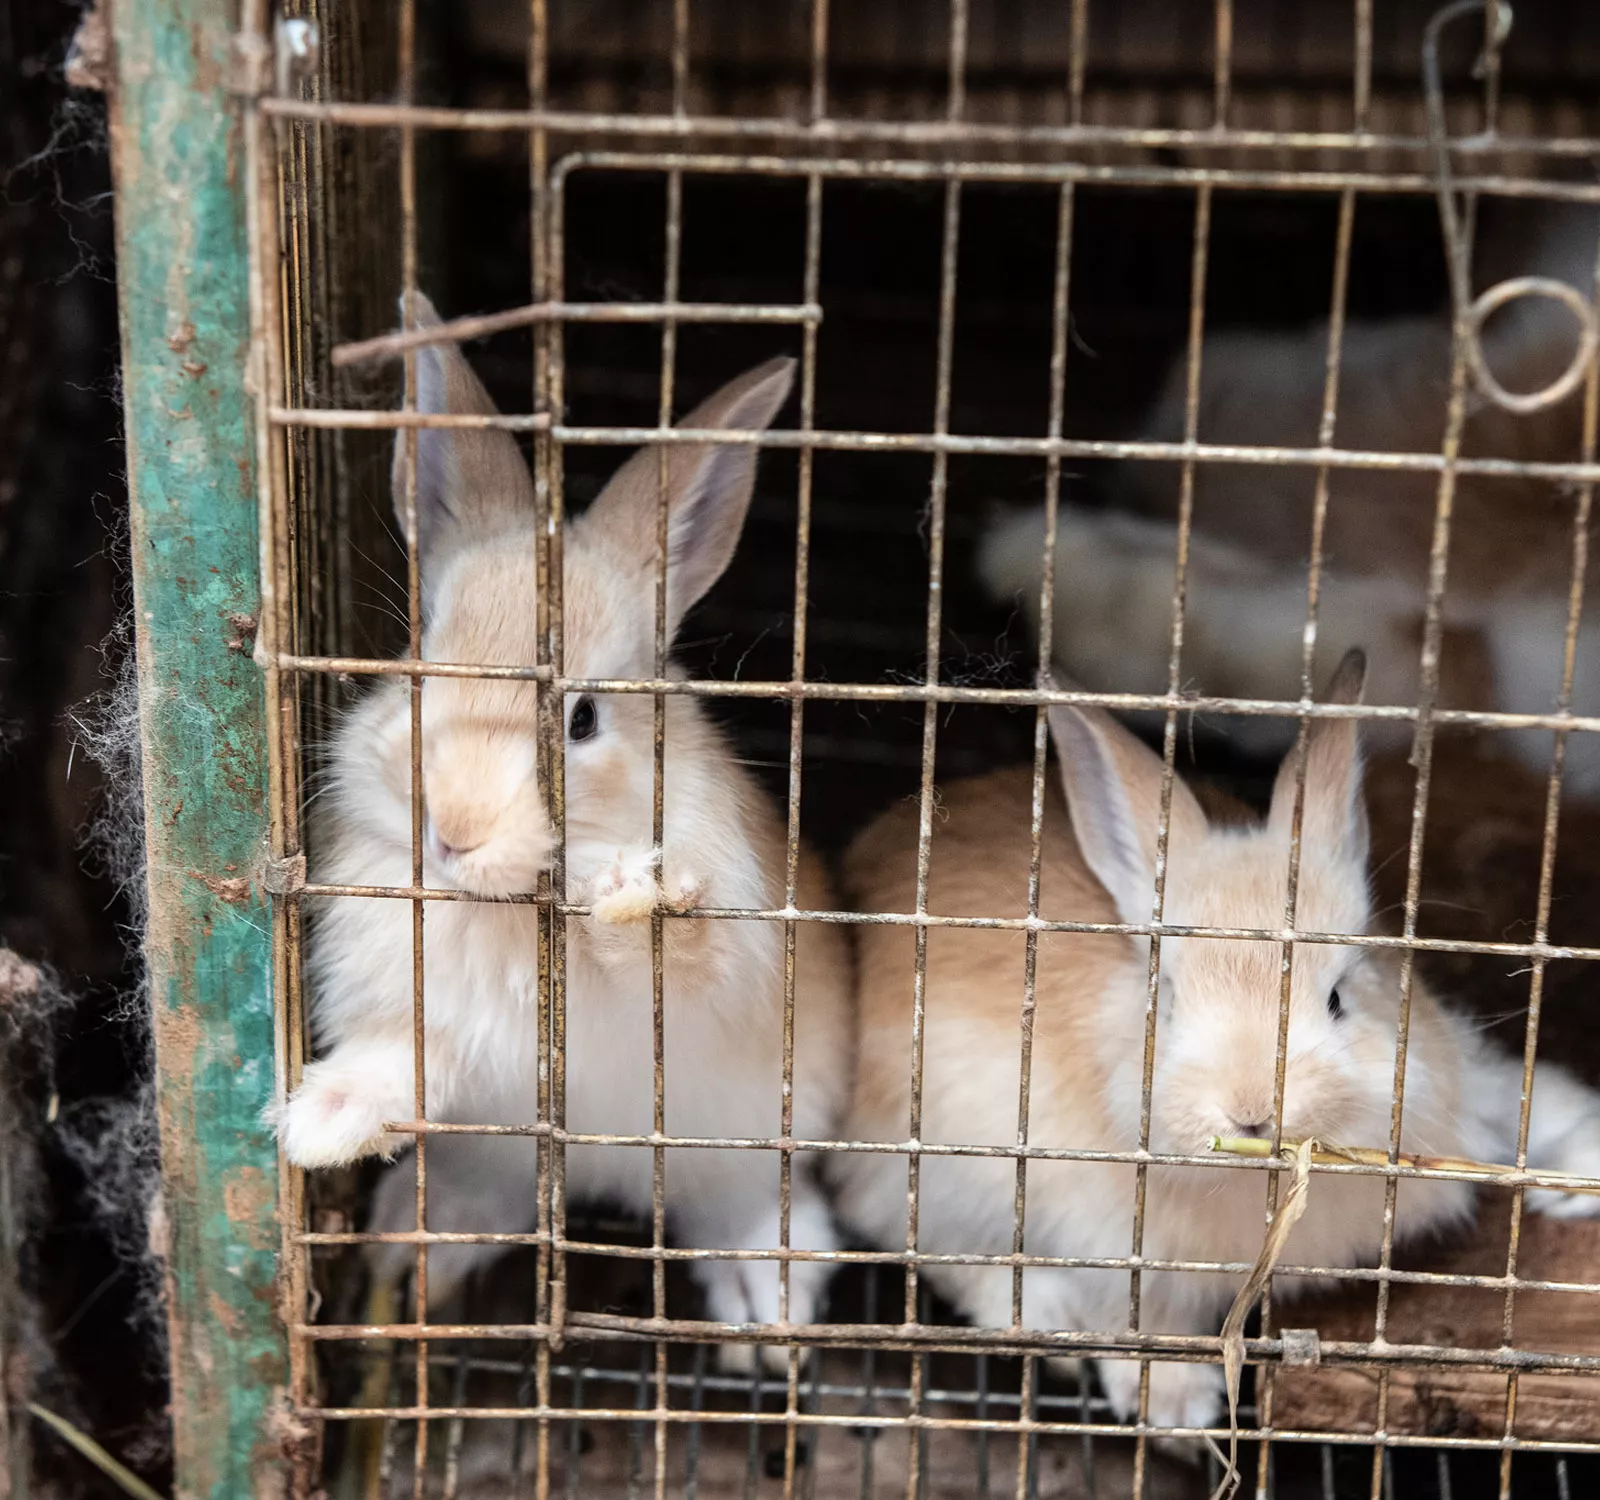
x=815, y=150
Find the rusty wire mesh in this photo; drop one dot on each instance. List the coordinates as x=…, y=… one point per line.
x=546, y=1381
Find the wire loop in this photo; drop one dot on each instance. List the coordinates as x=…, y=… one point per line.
x=1472, y=313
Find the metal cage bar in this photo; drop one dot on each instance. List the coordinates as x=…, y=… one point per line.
x=218, y=954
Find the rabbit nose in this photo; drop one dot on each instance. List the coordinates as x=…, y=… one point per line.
x=1259, y=1130
x=439, y=847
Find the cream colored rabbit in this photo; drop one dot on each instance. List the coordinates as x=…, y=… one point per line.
x=1244, y=619
x=489, y=835
x=1216, y=1039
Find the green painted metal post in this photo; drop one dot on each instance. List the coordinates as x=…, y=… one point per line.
x=183, y=277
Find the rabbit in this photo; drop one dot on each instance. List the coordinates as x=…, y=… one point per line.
x=1244, y=617
x=489, y=835
x=1216, y=1039
x=1510, y=556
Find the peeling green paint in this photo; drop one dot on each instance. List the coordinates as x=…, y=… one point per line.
x=182, y=268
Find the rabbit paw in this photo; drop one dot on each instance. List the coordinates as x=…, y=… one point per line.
x=747, y=1292
x=632, y=890
x=329, y=1123
x=629, y=890
x=1582, y=1159
x=745, y=1360
x=683, y=892
x=1185, y=1395
x=1181, y=1395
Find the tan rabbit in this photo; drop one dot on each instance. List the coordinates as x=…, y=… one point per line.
x=1216, y=1039
x=489, y=835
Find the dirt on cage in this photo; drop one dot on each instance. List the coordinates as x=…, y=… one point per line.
x=851, y=1436
x=722, y=1459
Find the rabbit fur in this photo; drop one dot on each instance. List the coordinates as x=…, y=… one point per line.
x=1216, y=1038
x=489, y=834
x=1510, y=558
x=1244, y=615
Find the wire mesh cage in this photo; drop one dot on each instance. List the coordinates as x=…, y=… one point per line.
x=1008, y=251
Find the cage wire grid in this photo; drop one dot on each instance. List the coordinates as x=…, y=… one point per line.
x=289, y=118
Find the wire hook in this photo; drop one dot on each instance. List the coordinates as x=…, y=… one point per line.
x=1472, y=314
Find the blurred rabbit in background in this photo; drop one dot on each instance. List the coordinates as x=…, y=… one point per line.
x=1511, y=538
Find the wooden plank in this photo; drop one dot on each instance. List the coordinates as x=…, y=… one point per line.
x=183, y=286
x=1458, y=1403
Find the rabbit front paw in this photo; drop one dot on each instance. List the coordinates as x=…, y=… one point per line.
x=1181, y=1395
x=1579, y=1156
x=1185, y=1395
x=330, y=1122
x=628, y=891
x=682, y=892
x=747, y=1292
x=632, y=889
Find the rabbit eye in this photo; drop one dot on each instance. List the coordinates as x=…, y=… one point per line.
x=1335, y=1004
x=585, y=719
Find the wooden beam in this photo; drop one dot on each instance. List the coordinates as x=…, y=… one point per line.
x=183, y=290
x=1460, y=1403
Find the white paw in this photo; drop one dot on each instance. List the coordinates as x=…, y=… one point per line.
x=1185, y=1395
x=330, y=1122
x=684, y=892
x=747, y=1292
x=1181, y=1395
x=740, y=1359
x=1578, y=1154
x=628, y=890
x=1558, y=1205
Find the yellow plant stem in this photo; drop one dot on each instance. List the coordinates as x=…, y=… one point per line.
x=1325, y=1155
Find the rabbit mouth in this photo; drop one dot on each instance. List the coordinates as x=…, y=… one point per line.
x=489, y=885
x=485, y=871
x=501, y=866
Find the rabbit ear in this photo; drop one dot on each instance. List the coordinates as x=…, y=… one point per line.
x=470, y=482
x=1335, y=817
x=707, y=488
x=1113, y=786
